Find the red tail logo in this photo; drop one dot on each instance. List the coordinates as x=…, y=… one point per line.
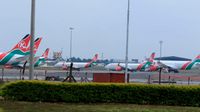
x=152, y=57
x=46, y=53
x=93, y=60
x=23, y=44
x=36, y=44
x=198, y=57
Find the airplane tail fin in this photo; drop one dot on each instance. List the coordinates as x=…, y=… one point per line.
x=22, y=45
x=94, y=59
x=197, y=58
x=37, y=44
x=46, y=53
x=151, y=59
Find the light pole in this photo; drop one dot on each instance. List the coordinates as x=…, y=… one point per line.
x=127, y=38
x=31, y=66
x=70, y=57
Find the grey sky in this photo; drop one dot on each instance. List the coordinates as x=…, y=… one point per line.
x=100, y=26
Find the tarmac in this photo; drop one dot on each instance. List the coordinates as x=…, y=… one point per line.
x=184, y=77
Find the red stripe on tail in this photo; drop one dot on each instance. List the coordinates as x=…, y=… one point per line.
x=93, y=60
x=46, y=53
x=185, y=65
x=23, y=44
x=36, y=44
x=198, y=57
x=152, y=57
x=139, y=66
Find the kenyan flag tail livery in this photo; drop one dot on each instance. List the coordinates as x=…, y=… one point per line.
x=42, y=59
x=195, y=64
x=151, y=59
x=146, y=65
x=20, y=60
x=22, y=46
x=37, y=44
x=19, y=50
x=46, y=53
x=94, y=59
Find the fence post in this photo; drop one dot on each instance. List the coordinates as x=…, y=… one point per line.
x=188, y=80
x=45, y=73
x=20, y=74
x=149, y=79
x=2, y=73
x=128, y=75
x=160, y=70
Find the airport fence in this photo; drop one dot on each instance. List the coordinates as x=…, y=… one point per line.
x=87, y=76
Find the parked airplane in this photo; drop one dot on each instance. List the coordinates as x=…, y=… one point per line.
x=77, y=65
x=131, y=66
x=174, y=66
x=17, y=61
x=18, y=51
x=39, y=61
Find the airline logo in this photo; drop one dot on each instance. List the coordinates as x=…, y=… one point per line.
x=22, y=45
x=19, y=49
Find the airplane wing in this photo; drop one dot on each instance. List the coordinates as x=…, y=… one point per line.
x=164, y=65
x=160, y=64
x=21, y=59
x=26, y=58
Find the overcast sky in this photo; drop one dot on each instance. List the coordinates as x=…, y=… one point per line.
x=100, y=26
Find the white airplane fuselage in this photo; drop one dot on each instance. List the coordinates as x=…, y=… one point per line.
x=179, y=65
